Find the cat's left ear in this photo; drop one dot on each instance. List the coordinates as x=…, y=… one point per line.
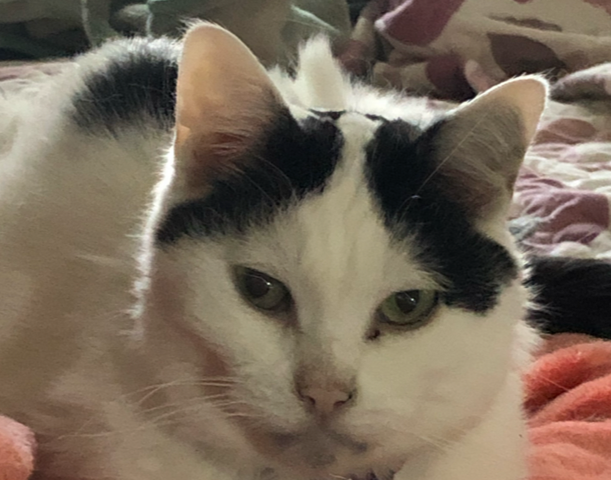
x=224, y=102
x=479, y=147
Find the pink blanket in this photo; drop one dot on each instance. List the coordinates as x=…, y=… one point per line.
x=17, y=450
x=569, y=405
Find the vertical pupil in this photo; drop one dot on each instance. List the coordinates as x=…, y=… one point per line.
x=407, y=301
x=257, y=285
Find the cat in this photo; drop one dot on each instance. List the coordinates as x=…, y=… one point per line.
x=209, y=270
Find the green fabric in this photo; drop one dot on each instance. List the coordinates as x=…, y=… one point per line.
x=21, y=45
x=272, y=28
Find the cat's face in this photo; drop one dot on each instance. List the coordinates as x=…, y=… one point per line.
x=347, y=280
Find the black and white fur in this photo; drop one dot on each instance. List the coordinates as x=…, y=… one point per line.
x=125, y=344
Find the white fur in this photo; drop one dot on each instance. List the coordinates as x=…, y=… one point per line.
x=443, y=401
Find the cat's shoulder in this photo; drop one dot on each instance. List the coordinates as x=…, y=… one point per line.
x=126, y=82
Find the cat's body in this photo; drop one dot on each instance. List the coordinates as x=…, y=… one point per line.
x=184, y=379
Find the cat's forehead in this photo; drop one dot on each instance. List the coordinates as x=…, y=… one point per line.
x=338, y=236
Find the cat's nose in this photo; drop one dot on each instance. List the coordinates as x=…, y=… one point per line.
x=325, y=401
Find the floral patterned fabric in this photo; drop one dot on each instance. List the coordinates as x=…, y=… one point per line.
x=430, y=43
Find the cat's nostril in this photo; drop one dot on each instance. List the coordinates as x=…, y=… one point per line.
x=325, y=401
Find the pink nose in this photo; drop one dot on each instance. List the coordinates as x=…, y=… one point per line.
x=323, y=401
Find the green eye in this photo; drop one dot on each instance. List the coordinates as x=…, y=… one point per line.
x=408, y=309
x=262, y=291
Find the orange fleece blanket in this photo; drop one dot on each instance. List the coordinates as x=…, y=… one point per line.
x=16, y=450
x=568, y=400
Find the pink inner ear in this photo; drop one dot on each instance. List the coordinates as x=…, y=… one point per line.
x=224, y=135
x=225, y=102
x=205, y=157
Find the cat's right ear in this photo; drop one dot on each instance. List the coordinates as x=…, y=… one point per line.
x=224, y=102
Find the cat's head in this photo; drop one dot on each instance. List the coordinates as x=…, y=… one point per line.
x=329, y=265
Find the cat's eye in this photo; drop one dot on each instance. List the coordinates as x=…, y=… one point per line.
x=411, y=308
x=262, y=291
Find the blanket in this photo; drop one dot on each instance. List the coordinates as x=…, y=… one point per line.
x=431, y=46
x=564, y=188
x=17, y=449
x=568, y=401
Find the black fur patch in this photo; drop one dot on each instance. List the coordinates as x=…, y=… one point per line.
x=401, y=171
x=573, y=295
x=139, y=78
x=294, y=159
x=376, y=118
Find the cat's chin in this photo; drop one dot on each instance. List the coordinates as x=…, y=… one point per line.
x=336, y=471
x=316, y=452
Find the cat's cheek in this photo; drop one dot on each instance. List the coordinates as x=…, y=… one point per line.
x=430, y=383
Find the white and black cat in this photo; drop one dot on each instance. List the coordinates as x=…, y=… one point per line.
x=213, y=272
